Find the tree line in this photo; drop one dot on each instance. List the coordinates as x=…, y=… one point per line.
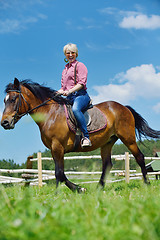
x=148, y=147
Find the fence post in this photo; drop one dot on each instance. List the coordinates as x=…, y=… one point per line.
x=39, y=157
x=127, y=167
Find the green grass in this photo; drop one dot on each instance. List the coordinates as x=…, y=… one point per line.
x=121, y=211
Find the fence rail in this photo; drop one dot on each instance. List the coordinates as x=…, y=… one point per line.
x=43, y=175
x=116, y=157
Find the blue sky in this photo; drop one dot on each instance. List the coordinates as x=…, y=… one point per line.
x=119, y=42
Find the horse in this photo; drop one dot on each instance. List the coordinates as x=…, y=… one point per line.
x=123, y=122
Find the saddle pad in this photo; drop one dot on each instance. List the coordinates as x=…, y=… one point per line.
x=97, y=120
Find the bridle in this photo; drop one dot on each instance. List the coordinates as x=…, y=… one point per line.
x=17, y=115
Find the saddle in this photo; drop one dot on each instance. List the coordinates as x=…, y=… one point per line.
x=95, y=119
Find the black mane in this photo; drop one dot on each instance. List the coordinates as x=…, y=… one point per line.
x=41, y=92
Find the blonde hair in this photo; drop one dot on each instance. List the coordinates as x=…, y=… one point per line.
x=70, y=47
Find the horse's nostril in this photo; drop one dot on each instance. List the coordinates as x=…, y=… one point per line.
x=5, y=124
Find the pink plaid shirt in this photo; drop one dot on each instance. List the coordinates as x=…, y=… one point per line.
x=67, y=81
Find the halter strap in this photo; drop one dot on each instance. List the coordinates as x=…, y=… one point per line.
x=19, y=103
x=14, y=90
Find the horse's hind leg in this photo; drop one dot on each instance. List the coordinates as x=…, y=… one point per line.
x=106, y=159
x=131, y=144
x=125, y=130
x=139, y=159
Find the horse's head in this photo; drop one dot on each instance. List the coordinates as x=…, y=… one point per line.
x=11, y=113
x=23, y=98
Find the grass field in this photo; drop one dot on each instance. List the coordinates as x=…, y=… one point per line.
x=118, y=212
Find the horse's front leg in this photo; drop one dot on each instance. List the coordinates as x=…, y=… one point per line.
x=106, y=159
x=58, y=156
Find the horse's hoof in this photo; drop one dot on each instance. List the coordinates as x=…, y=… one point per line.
x=81, y=190
x=100, y=185
x=147, y=182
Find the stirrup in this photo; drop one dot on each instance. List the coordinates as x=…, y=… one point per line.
x=85, y=142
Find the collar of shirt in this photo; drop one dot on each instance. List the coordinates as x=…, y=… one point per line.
x=68, y=65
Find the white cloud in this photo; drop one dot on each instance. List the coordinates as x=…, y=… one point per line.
x=19, y=15
x=144, y=80
x=141, y=21
x=8, y=25
x=141, y=81
x=85, y=23
x=119, y=93
x=133, y=19
x=117, y=46
x=42, y=16
x=108, y=10
x=15, y=25
x=30, y=20
x=92, y=46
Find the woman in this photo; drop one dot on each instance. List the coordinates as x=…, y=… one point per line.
x=75, y=89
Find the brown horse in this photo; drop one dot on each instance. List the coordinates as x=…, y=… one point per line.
x=27, y=97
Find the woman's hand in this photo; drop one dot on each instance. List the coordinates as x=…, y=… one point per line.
x=66, y=93
x=60, y=92
x=77, y=87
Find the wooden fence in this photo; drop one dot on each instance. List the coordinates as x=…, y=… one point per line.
x=27, y=176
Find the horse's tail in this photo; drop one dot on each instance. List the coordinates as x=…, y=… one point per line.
x=142, y=127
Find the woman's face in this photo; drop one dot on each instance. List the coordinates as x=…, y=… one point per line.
x=71, y=56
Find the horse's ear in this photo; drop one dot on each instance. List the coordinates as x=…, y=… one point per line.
x=16, y=83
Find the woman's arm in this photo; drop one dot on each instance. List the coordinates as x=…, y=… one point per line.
x=76, y=88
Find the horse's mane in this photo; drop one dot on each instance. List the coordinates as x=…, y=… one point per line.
x=39, y=91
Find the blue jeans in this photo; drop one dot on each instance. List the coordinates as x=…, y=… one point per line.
x=80, y=101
